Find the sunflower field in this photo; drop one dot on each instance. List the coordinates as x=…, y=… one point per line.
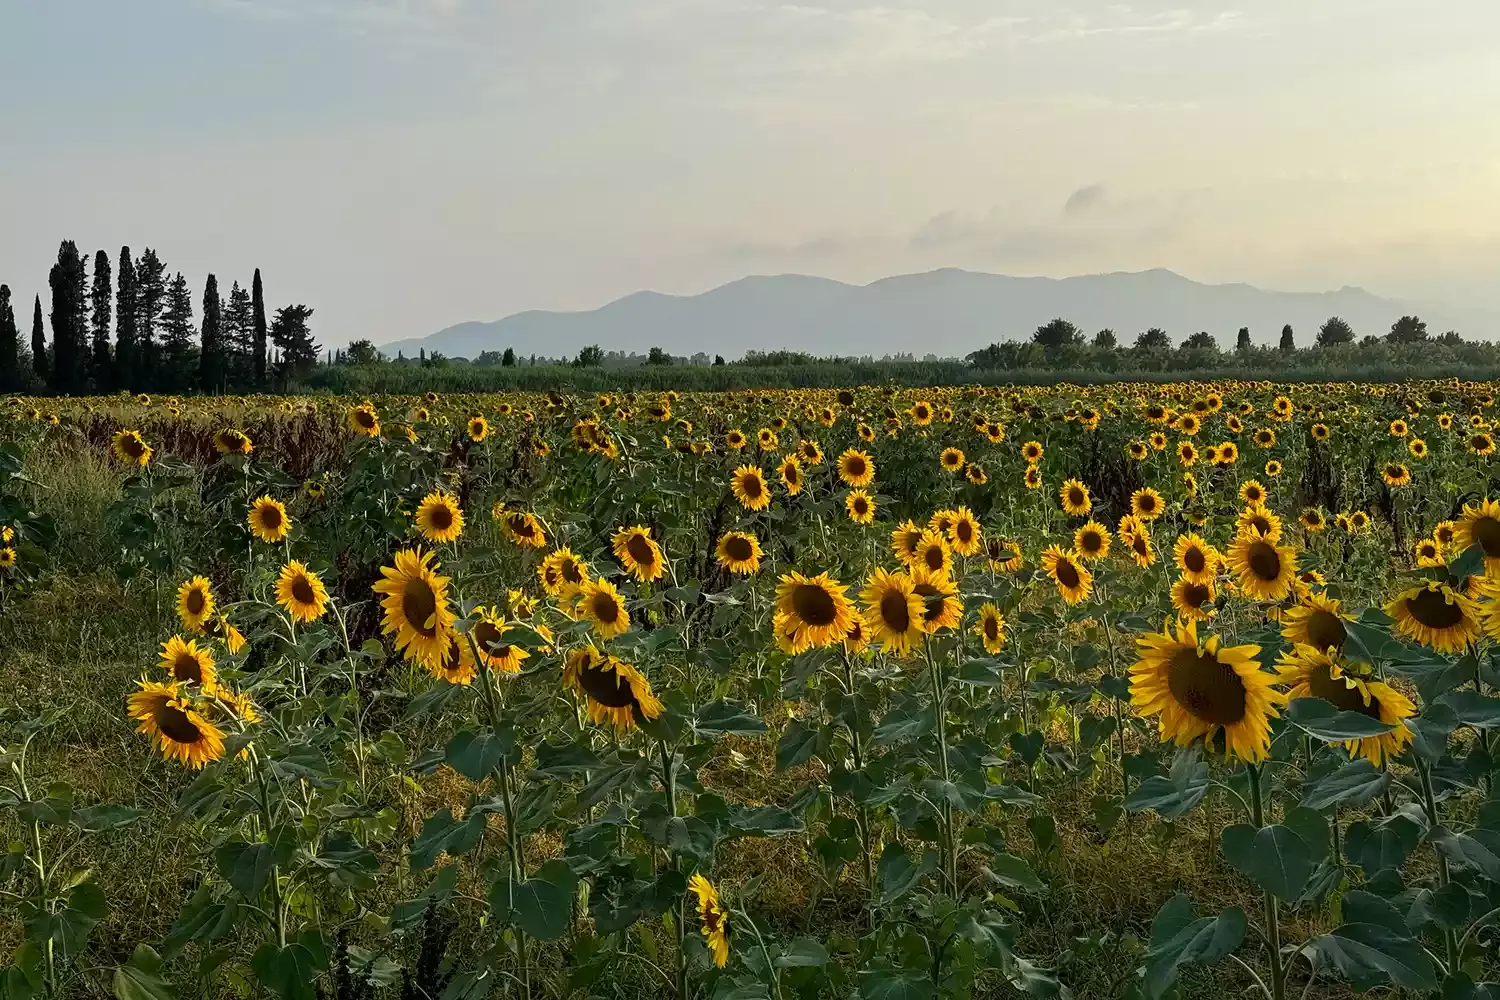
x=1139, y=691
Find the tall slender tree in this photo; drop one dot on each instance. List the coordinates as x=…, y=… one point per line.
x=66, y=280
x=10, y=347
x=211, y=352
x=258, y=306
x=39, y=357
x=178, y=360
x=294, y=341
x=126, y=373
x=239, y=332
x=150, y=299
x=101, y=366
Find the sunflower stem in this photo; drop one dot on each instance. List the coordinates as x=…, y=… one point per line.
x=1273, y=927
x=945, y=843
x=858, y=752
x=669, y=782
x=1429, y=806
x=512, y=847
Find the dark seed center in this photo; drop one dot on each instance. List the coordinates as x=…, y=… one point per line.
x=1208, y=689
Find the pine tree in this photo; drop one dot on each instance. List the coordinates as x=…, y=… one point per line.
x=101, y=366
x=150, y=298
x=177, y=351
x=293, y=339
x=258, y=338
x=239, y=331
x=39, y=358
x=1242, y=343
x=211, y=355
x=1288, y=339
x=10, y=347
x=66, y=279
x=126, y=373
x=508, y=359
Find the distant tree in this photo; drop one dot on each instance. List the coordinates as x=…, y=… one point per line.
x=1200, y=341
x=1288, y=339
x=150, y=300
x=657, y=356
x=178, y=355
x=39, y=357
x=508, y=359
x=1451, y=339
x=239, y=337
x=718, y=360
x=1242, y=343
x=101, y=364
x=127, y=351
x=588, y=357
x=258, y=331
x=361, y=352
x=212, y=364
x=1056, y=335
x=1335, y=331
x=1369, y=340
x=10, y=344
x=69, y=356
x=1154, y=339
x=1407, y=330
x=1105, y=340
x=293, y=338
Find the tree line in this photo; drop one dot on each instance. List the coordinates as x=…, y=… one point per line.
x=130, y=327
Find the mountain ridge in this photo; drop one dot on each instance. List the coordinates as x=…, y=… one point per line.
x=947, y=312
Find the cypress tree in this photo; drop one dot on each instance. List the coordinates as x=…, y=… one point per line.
x=101, y=368
x=211, y=354
x=150, y=298
x=39, y=342
x=126, y=351
x=66, y=279
x=10, y=347
x=177, y=351
x=258, y=319
x=239, y=330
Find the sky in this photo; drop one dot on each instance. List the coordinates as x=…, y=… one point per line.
x=403, y=165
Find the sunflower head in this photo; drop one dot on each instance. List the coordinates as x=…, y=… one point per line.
x=130, y=448
x=739, y=552
x=439, y=518
x=268, y=520
x=1435, y=615
x=301, y=592
x=1091, y=541
x=639, y=553
x=613, y=691
x=195, y=603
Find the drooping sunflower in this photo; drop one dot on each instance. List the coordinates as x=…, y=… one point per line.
x=1196, y=558
x=1193, y=601
x=1258, y=519
x=233, y=442
x=1074, y=582
x=490, y=647
x=713, y=919
x=1436, y=616
x=363, y=419
x=301, y=592
x=1003, y=554
x=1264, y=570
x=990, y=628
x=1395, y=474
x=175, y=725
x=860, y=507
x=1480, y=525
x=749, y=487
x=562, y=573
x=221, y=628
x=1310, y=672
x=893, y=611
x=1481, y=444
x=639, y=553
x=933, y=553
x=268, y=520
x=415, y=603
x=195, y=603
x=189, y=663
x=456, y=664
x=790, y=471
x=614, y=692
x=1091, y=541
x=739, y=552
x=964, y=532
x=817, y=609
x=1202, y=689
x=1147, y=504
x=523, y=528
x=600, y=602
x=1316, y=621
x=439, y=517
x=130, y=448
x=1075, y=498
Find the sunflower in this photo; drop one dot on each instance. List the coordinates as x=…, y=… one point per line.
x=964, y=532
x=363, y=419
x=921, y=413
x=1428, y=553
x=223, y=629
x=1075, y=499
x=562, y=573
x=479, y=428
x=1320, y=432
x=1258, y=518
x=1137, y=450
x=1395, y=474
x=866, y=433
x=639, y=553
x=1417, y=447
x=175, y=726
x=232, y=442
x=1252, y=492
x=858, y=636
x=1310, y=672
x=439, y=517
x=860, y=506
x=268, y=520
x=1157, y=441
x=1031, y=451
x=1359, y=521
x=130, y=448
x=1195, y=558
x=952, y=459
x=1187, y=453
x=1193, y=601
x=1480, y=525
x=416, y=606
x=1003, y=554
x=1091, y=541
x=1436, y=616
x=195, y=603
x=523, y=528
x=905, y=540
x=941, y=607
x=990, y=628
x=1273, y=468
x=735, y=439
x=301, y=592
x=1264, y=570
x=712, y=918
x=1445, y=533
x=1147, y=504
x=790, y=471
x=1074, y=582
x=933, y=553
x=1140, y=546
x=456, y=662
x=1313, y=520
x=1202, y=689
x=601, y=604
x=893, y=611
x=749, y=487
x=1316, y=621
x=614, y=691
x=1033, y=478
x=856, y=468
x=739, y=552
x=818, y=612
x=490, y=647
x=189, y=663
x=1188, y=424
x=1265, y=438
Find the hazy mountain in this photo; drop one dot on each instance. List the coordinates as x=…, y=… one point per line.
x=948, y=313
